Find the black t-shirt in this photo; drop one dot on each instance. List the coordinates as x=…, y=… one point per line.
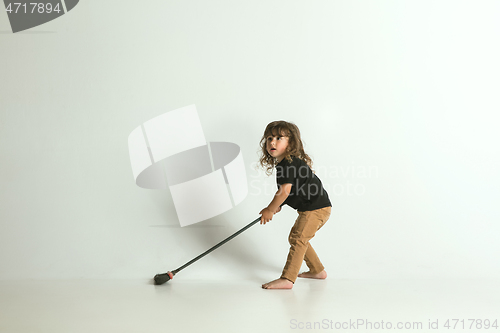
x=307, y=191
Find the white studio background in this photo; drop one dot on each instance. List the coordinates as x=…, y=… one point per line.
x=397, y=102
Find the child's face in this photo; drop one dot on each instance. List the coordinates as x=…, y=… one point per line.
x=276, y=146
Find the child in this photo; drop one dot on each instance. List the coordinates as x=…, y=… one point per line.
x=302, y=190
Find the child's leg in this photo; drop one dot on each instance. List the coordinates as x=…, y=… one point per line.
x=312, y=261
x=316, y=269
x=304, y=229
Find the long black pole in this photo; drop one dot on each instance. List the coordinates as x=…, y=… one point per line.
x=162, y=278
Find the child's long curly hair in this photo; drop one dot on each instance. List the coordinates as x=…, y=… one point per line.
x=295, y=146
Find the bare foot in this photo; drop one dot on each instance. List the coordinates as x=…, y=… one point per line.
x=278, y=284
x=309, y=275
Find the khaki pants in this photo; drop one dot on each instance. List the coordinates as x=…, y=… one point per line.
x=303, y=230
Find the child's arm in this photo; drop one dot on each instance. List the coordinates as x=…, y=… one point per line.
x=274, y=206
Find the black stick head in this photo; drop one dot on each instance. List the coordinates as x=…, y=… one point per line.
x=162, y=278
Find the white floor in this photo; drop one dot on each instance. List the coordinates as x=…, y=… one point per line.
x=242, y=306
